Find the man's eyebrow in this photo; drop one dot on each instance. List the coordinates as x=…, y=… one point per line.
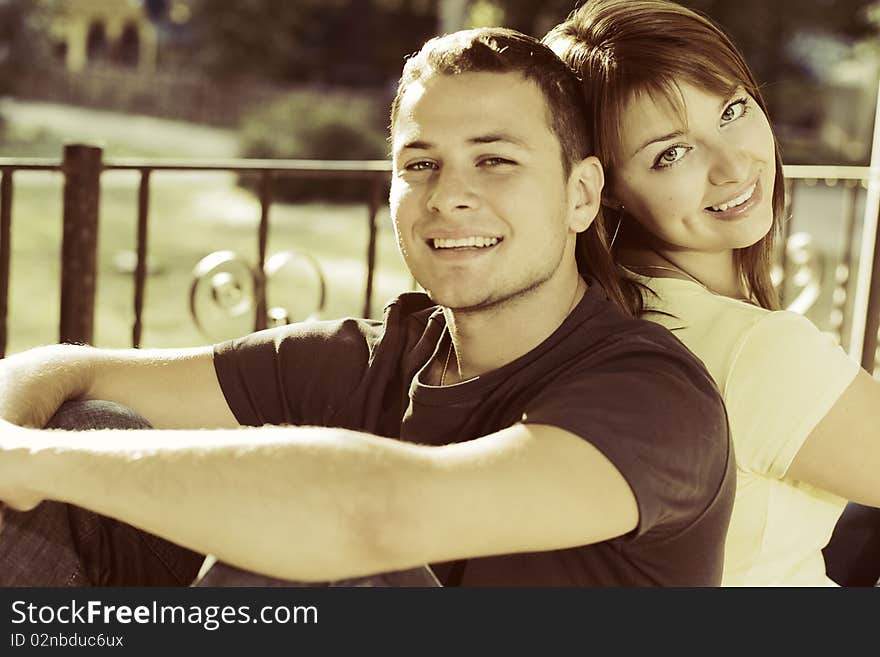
x=492, y=138
x=416, y=145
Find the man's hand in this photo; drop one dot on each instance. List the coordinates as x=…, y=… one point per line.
x=15, y=450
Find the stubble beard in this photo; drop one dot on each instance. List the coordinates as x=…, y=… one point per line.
x=505, y=298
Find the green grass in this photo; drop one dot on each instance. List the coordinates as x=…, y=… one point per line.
x=190, y=217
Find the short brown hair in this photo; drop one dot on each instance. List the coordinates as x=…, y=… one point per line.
x=621, y=48
x=502, y=50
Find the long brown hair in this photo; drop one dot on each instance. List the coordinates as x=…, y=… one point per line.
x=620, y=48
x=502, y=50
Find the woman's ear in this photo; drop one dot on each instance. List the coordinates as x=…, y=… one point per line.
x=585, y=184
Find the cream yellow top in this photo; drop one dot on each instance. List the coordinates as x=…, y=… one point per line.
x=779, y=375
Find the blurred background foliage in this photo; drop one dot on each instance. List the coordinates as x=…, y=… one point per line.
x=232, y=64
x=23, y=43
x=329, y=42
x=313, y=125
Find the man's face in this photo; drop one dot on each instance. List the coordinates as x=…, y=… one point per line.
x=481, y=207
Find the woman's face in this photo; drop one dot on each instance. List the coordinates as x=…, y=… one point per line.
x=700, y=179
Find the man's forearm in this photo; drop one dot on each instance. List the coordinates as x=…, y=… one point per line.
x=297, y=503
x=34, y=383
x=171, y=388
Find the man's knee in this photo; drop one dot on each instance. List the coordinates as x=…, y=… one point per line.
x=95, y=414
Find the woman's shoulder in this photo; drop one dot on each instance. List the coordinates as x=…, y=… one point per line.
x=787, y=331
x=719, y=329
x=683, y=305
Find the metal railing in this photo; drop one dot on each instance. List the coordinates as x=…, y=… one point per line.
x=854, y=308
x=82, y=166
x=805, y=272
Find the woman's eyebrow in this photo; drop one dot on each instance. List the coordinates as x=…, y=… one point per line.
x=654, y=140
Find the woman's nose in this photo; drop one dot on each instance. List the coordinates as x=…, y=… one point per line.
x=729, y=165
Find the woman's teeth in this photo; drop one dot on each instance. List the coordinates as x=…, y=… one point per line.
x=479, y=242
x=739, y=200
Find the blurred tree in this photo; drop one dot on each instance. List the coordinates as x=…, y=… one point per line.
x=347, y=42
x=532, y=17
x=23, y=43
x=156, y=9
x=763, y=29
x=800, y=103
x=760, y=28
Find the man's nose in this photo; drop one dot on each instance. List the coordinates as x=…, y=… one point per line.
x=452, y=191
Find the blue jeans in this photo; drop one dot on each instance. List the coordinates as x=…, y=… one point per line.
x=58, y=544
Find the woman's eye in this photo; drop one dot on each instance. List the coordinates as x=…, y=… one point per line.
x=670, y=156
x=735, y=110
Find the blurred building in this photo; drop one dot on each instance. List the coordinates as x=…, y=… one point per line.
x=85, y=32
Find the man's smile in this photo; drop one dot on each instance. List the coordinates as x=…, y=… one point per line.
x=469, y=242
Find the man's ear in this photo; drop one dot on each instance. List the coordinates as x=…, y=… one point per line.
x=585, y=185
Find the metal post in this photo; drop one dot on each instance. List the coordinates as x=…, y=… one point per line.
x=376, y=189
x=140, y=272
x=785, y=233
x=5, y=252
x=261, y=319
x=872, y=315
x=79, y=248
x=863, y=339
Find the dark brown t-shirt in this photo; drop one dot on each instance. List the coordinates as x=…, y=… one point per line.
x=627, y=386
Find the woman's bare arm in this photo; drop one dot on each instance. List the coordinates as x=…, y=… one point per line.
x=842, y=453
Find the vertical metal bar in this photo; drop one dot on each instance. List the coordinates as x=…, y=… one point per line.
x=261, y=318
x=140, y=272
x=79, y=248
x=872, y=310
x=785, y=233
x=375, y=199
x=843, y=271
x=5, y=253
x=866, y=283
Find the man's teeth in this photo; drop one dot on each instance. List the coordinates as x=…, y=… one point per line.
x=739, y=200
x=479, y=242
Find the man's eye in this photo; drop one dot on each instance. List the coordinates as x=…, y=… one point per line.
x=495, y=161
x=670, y=156
x=421, y=165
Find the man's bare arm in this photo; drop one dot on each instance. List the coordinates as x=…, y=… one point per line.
x=317, y=504
x=171, y=388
